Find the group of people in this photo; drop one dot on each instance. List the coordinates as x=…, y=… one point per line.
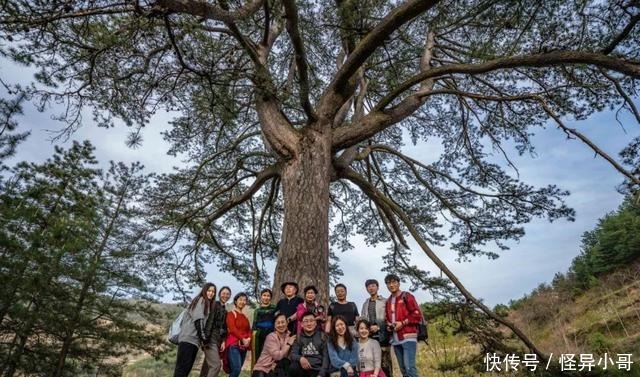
x=297, y=337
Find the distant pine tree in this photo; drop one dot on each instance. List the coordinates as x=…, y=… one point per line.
x=618, y=239
x=614, y=243
x=75, y=254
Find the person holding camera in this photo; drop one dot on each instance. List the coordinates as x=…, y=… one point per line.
x=402, y=317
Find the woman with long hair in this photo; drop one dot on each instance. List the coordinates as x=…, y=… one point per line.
x=239, y=335
x=273, y=361
x=214, y=329
x=192, y=334
x=219, y=323
x=342, y=349
x=369, y=352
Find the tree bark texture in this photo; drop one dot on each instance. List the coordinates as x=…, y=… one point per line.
x=303, y=256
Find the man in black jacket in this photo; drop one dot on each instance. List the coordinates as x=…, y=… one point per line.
x=309, y=357
x=289, y=303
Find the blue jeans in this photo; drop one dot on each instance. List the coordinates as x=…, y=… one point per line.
x=236, y=359
x=406, y=355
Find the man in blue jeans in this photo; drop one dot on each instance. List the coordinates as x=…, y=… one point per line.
x=403, y=317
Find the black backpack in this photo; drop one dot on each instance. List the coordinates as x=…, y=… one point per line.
x=423, y=334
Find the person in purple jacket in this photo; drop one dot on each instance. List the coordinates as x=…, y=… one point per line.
x=310, y=304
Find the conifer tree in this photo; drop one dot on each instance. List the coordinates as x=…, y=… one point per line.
x=77, y=262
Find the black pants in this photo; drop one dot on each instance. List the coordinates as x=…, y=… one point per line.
x=295, y=370
x=187, y=353
x=281, y=370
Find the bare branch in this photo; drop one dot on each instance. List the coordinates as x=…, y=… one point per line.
x=214, y=29
x=267, y=23
x=383, y=201
x=623, y=94
x=572, y=131
x=257, y=240
x=338, y=90
x=208, y=11
x=342, y=113
x=291, y=13
x=271, y=33
x=622, y=36
x=358, y=106
x=262, y=79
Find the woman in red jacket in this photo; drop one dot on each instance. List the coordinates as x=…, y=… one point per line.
x=238, y=336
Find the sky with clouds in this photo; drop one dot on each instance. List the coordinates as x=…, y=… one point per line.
x=547, y=248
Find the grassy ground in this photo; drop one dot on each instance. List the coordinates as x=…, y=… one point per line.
x=163, y=366
x=438, y=351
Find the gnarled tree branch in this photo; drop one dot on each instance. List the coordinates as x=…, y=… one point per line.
x=291, y=12
x=208, y=11
x=627, y=67
x=379, y=118
x=381, y=200
x=622, y=36
x=338, y=90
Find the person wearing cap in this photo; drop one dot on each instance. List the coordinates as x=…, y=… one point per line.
x=289, y=304
x=310, y=305
x=373, y=310
x=403, y=317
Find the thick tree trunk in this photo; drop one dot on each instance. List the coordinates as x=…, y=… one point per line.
x=304, y=250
